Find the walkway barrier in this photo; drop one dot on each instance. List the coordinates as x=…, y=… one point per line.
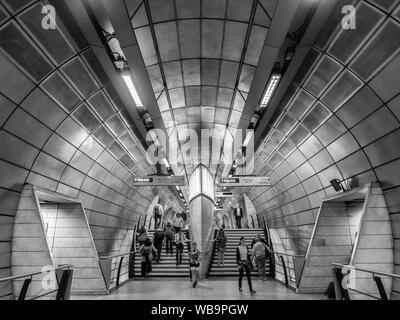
x=288, y=266
x=63, y=277
x=345, y=282
x=117, y=267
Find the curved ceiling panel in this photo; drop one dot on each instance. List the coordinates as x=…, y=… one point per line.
x=206, y=53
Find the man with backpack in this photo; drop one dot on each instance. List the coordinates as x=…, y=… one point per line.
x=259, y=255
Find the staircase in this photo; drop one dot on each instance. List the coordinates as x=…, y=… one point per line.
x=167, y=266
x=230, y=267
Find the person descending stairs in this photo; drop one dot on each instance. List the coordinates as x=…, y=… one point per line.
x=229, y=267
x=167, y=265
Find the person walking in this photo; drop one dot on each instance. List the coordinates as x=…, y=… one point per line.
x=244, y=264
x=221, y=244
x=157, y=215
x=238, y=213
x=194, y=264
x=158, y=241
x=180, y=239
x=147, y=252
x=259, y=255
x=178, y=222
x=169, y=236
x=142, y=235
x=260, y=239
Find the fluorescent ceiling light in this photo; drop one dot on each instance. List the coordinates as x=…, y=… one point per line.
x=249, y=135
x=154, y=137
x=166, y=163
x=273, y=83
x=132, y=89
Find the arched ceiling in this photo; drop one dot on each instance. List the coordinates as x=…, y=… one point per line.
x=201, y=57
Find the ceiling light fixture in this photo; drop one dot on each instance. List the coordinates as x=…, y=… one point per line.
x=166, y=163
x=269, y=92
x=247, y=140
x=132, y=90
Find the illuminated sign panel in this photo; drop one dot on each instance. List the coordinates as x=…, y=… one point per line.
x=223, y=194
x=159, y=181
x=244, y=181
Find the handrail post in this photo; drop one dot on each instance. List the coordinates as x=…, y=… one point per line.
x=119, y=270
x=340, y=292
x=284, y=270
x=65, y=285
x=24, y=289
x=381, y=289
x=336, y=284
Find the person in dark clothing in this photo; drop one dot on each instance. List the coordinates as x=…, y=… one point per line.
x=147, y=252
x=244, y=264
x=238, y=213
x=169, y=236
x=184, y=216
x=143, y=236
x=158, y=241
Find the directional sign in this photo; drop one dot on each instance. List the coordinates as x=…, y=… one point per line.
x=159, y=181
x=218, y=209
x=223, y=194
x=243, y=181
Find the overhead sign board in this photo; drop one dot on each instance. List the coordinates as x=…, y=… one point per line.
x=223, y=194
x=159, y=181
x=243, y=181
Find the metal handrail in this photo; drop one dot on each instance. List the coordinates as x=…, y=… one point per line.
x=117, y=255
x=288, y=255
x=62, y=267
x=392, y=275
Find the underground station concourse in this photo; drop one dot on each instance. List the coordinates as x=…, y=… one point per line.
x=129, y=128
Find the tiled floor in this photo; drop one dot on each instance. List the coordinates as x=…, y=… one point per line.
x=210, y=289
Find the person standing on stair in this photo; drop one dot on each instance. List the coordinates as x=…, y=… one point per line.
x=244, y=264
x=147, y=252
x=260, y=239
x=178, y=222
x=158, y=241
x=238, y=213
x=180, y=239
x=259, y=255
x=221, y=244
x=143, y=236
x=194, y=263
x=169, y=236
x=158, y=210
